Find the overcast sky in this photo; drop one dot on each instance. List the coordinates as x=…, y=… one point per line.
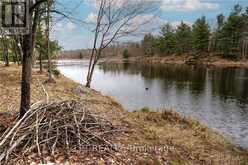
x=74, y=35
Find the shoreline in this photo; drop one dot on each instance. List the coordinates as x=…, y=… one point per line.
x=211, y=61
x=187, y=140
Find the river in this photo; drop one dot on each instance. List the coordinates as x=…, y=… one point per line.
x=218, y=97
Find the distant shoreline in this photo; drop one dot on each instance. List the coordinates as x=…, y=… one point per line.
x=215, y=61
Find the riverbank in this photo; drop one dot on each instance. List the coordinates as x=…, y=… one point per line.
x=182, y=59
x=167, y=137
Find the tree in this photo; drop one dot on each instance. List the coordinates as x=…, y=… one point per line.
x=217, y=34
x=200, y=35
x=115, y=19
x=148, y=44
x=27, y=49
x=220, y=21
x=18, y=48
x=167, y=42
x=40, y=45
x=5, y=49
x=231, y=33
x=183, y=38
x=50, y=79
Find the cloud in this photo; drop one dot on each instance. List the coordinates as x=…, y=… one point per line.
x=188, y=5
x=119, y=3
x=91, y=18
x=71, y=36
x=64, y=27
x=144, y=23
x=67, y=35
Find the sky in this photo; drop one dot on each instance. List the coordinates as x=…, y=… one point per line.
x=74, y=34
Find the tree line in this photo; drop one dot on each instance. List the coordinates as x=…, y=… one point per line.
x=229, y=38
x=11, y=51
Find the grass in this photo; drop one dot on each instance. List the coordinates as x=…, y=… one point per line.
x=193, y=142
x=149, y=137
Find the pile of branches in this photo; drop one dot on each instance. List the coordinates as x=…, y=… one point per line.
x=60, y=126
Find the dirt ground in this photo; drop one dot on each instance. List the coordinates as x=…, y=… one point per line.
x=150, y=137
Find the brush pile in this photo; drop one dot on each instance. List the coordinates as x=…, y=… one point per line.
x=56, y=127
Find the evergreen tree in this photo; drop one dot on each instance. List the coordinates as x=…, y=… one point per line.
x=167, y=42
x=231, y=33
x=183, y=38
x=148, y=44
x=200, y=34
x=220, y=21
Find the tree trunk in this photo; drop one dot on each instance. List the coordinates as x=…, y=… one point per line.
x=18, y=49
x=28, y=47
x=90, y=74
x=5, y=50
x=26, y=75
x=16, y=52
x=6, y=55
x=14, y=57
x=50, y=79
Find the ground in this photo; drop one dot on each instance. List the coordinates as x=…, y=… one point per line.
x=149, y=137
x=212, y=60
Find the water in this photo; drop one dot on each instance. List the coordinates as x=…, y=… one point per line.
x=217, y=97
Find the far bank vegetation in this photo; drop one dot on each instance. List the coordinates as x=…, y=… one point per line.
x=226, y=38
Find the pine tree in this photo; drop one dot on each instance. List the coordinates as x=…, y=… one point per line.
x=183, y=38
x=148, y=44
x=167, y=42
x=231, y=33
x=201, y=34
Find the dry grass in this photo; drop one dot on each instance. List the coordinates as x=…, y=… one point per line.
x=63, y=89
x=194, y=143
x=180, y=140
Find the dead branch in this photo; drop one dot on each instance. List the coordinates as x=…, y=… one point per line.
x=56, y=127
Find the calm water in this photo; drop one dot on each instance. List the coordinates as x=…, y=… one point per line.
x=217, y=97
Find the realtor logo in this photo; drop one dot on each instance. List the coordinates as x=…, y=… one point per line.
x=14, y=17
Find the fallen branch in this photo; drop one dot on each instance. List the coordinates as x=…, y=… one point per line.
x=56, y=127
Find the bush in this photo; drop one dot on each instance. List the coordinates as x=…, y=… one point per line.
x=125, y=54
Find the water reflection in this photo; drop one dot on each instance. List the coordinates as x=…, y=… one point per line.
x=216, y=96
x=227, y=83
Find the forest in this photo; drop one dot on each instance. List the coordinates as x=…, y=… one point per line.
x=228, y=38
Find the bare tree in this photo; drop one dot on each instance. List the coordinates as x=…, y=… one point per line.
x=116, y=19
